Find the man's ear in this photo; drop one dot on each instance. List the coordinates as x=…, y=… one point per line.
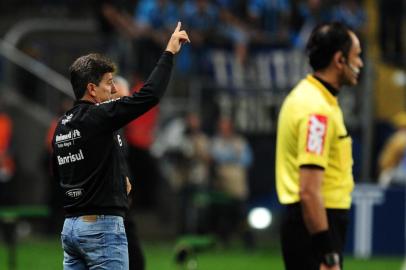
x=339, y=60
x=91, y=89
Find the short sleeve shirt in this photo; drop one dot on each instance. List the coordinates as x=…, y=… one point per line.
x=311, y=131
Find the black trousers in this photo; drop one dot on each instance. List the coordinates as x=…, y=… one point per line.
x=145, y=171
x=297, y=249
x=135, y=254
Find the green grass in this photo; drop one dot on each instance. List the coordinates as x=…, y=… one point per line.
x=46, y=254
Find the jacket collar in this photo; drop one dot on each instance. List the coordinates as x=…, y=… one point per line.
x=81, y=101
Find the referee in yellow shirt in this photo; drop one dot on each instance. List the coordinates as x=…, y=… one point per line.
x=313, y=157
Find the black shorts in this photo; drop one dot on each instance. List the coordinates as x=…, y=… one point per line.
x=297, y=250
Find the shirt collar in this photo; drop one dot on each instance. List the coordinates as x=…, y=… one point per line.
x=323, y=89
x=327, y=85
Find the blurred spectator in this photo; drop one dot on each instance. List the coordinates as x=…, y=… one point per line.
x=140, y=134
x=193, y=174
x=123, y=87
x=195, y=147
x=116, y=27
x=392, y=160
x=232, y=157
x=184, y=150
x=156, y=15
x=7, y=165
x=391, y=33
x=271, y=20
x=153, y=21
x=201, y=18
x=352, y=14
x=306, y=14
x=234, y=26
x=135, y=253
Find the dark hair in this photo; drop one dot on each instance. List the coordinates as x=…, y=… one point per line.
x=325, y=40
x=89, y=69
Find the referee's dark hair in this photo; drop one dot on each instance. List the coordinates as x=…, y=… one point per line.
x=89, y=69
x=325, y=40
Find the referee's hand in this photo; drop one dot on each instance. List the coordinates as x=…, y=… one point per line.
x=177, y=39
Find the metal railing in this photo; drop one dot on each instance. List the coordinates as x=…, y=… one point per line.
x=53, y=78
x=8, y=47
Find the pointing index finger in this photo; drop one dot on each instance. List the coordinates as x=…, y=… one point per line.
x=177, y=29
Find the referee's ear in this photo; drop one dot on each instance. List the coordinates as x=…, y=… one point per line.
x=339, y=60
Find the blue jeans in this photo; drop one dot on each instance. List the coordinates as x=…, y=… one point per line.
x=95, y=245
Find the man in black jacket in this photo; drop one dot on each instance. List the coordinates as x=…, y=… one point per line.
x=87, y=154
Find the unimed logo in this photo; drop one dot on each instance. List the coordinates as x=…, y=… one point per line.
x=74, y=193
x=316, y=134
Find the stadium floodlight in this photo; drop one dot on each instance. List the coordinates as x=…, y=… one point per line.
x=259, y=218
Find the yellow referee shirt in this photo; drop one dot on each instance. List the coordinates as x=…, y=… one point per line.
x=311, y=130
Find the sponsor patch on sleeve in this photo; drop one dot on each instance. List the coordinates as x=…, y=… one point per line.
x=316, y=133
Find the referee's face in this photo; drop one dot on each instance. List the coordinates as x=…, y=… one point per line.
x=354, y=63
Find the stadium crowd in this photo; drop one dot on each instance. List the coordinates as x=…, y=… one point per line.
x=241, y=26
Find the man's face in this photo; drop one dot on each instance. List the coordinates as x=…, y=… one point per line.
x=225, y=127
x=106, y=88
x=193, y=121
x=353, y=64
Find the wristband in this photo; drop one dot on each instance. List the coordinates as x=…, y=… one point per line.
x=322, y=243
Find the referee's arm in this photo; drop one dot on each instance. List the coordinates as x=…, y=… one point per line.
x=313, y=210
x=314, y=213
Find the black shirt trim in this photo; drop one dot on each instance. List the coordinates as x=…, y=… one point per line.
x=328, y=86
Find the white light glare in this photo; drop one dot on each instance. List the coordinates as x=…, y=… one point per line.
x=259, y=218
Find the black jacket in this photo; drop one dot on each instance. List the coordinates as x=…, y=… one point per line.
x=87, y=147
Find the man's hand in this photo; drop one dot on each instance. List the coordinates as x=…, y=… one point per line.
x=325, y=267
x=177, y=39
x=128, y=185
